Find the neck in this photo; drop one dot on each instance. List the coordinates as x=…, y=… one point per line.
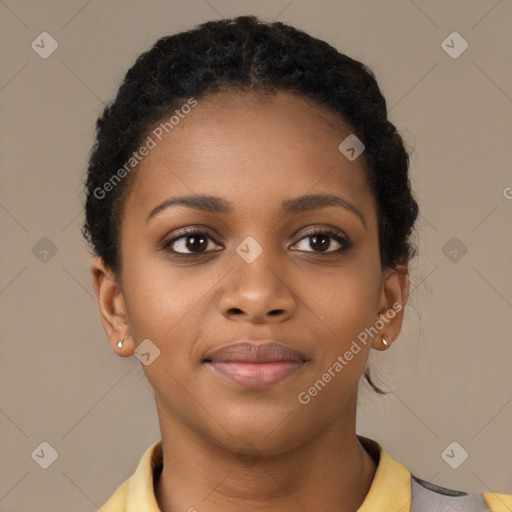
x=332, y=471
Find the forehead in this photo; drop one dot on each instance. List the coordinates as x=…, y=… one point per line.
x=249, y=148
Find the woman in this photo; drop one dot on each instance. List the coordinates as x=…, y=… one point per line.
x=250, y=211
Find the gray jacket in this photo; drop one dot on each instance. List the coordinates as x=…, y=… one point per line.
x=427, y=497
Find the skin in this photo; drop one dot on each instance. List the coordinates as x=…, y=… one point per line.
x=254, y=151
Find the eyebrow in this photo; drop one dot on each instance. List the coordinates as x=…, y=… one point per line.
x=213, y=204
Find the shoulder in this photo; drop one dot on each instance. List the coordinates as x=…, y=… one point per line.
x=395, y=488
x=117, y=502
x=426, y=497
x=137, y=491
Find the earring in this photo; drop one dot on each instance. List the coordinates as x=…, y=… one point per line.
x=120, y=342
x=384, y=342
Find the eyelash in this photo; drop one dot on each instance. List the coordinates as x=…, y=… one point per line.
x=343, y=241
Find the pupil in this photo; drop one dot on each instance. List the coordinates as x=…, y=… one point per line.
x=323, y=238
x=192, y=246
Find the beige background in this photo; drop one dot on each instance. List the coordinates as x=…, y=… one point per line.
x=450, y=370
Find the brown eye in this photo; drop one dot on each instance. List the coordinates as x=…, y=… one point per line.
x=193, y=241
x=321, y=241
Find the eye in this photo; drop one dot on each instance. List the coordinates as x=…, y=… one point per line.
x=196, y=242
x=321, y=240
x=193, y=240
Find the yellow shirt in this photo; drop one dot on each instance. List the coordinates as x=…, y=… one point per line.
x=390, y=490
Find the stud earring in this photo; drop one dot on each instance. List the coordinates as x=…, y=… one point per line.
x=384, y=342
x=120, y=342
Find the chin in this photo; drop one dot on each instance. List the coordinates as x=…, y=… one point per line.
x=263, y=434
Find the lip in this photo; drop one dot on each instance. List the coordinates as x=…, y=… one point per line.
x=248, y=351
x=255, y=365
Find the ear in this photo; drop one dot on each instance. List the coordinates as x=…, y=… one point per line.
x=393, y=297
x=112, y=307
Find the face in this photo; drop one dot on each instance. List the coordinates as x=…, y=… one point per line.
x=251, y=261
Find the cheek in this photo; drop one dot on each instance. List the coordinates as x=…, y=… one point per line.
x=164, y=306
x=167, y=305
x=344, y=300
x=157, y=293
x=341, y=308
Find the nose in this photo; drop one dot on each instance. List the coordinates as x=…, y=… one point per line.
x=257, y=292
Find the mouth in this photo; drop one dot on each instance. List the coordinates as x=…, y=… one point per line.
x=255, y=365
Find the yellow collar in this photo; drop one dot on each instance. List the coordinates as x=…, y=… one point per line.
x=390, y=490
x=391, y=487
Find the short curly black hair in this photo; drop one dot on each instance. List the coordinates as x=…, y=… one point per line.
x=247, y=54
